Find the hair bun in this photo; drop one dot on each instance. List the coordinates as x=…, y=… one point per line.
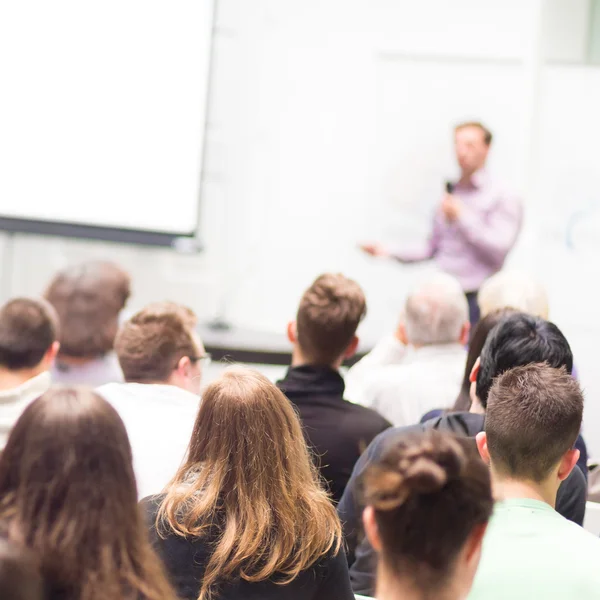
x=422, y=467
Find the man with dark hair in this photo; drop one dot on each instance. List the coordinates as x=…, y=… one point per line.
x=533, y=417
x=517, y=340
x=28, y=347
x=323, y=335
x=476, y=224
x=160, y=355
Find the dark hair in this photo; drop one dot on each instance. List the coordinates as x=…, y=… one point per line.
x=68, y=493
x=533, y=418
x=328, y=316
x=154, y=340
x=518, y=340
x=28, y=328
x=429, y=491
x=478, y=336
x=487, y=134
x=20, y=578
x=88, y=299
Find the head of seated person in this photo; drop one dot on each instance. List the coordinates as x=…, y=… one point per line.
x=533, y=418
x=436, y=312
x=28, y=343
x=428, y=500
x=248, y=492
x=513, y=289
x=518, y=339
x=324, y=332
x=20, y=578
x=68, y=493
x=159, y=345
x=477, y=339
x=88, y=298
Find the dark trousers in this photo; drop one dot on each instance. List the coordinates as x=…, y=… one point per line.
x=473, y=307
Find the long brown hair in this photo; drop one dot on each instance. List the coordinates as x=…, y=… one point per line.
x=68, y=493
x=429, y=491
x=249, y=483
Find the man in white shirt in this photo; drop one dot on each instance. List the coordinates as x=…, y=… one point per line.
x=28, y=347
x=420, y=367
x=160, y=354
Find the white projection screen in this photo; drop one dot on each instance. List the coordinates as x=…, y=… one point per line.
x=102, y=116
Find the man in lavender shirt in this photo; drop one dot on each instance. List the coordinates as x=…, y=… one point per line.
x=477, y=222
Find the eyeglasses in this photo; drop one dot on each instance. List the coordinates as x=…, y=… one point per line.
x=204, y=360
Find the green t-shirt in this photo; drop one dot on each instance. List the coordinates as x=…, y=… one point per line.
x=531, y=552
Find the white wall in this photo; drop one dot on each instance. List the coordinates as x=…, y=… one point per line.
x=296, y=139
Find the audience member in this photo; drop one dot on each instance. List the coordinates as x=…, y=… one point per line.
x=323, y=335
x=513, y=289
x=246, y=517
x=67, y=491
x=20, y=578
x=160, y=354
x=28, y=347
x=429, y=486
x=88, y=299
x=478, y=336
x=534, y=415
x=419, y=367
x=517, y=340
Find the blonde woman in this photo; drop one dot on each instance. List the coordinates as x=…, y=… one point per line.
x=246, y=516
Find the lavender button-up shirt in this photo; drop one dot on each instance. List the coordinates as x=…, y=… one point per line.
x=473, y=247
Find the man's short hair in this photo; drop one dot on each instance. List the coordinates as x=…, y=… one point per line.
x=151, y=344
x=28, y=328
x=487, y=134
x=518, y=290
x=436, y=312
x=88, y=298
x=518, y=340
x=329, y=313
x=533, y=418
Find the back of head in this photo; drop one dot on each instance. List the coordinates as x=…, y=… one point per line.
x=428, y=491
x=88, y=299
x=20, y=578
x=513, y=289
x=28, y=328
x=477, y=339
x=533, y=418
x=518, y=340
x=68, y=492
x=328, y=316
x=249, y=485
x=150, y=345
x=436, y=312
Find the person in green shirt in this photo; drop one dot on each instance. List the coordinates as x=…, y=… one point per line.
x=533, y=418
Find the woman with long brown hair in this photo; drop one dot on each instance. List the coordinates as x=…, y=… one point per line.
x=246, y=516
x=428, y=500
x=68, y=494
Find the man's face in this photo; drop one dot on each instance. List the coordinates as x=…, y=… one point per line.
x=195, y=381
x=471, y=149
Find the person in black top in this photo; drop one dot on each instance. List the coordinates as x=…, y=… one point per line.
x=246, y=517
x=323, y=335
x=518, y=339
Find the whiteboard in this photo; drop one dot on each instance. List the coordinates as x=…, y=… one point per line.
x=102, y=112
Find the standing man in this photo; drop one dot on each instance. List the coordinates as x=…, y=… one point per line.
x=476, y=224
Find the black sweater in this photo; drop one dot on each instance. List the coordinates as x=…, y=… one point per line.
x=186, y=559
x=337, y=431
